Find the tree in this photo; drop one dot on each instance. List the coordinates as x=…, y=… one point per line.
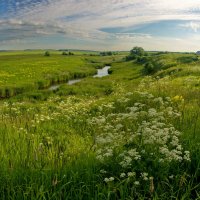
x=64, y=53
x=46, y=53
x=139, y=51
x=71, y=54
x=106, y=53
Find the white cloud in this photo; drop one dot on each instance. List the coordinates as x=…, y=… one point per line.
x=195, y=26
x=132, y=36
x=84, y=18
x=113, y=12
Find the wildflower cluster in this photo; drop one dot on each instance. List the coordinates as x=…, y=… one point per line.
x=134, y=137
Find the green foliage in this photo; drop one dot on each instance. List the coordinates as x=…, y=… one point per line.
x=142, y=59
x=187, y=59
x=71, y=53
x=110, y=71
x=106, y=53
x=64, y=53
x=154, y=62
x=139, y=51
x=149, y=68
x=130, y=57
x=47, y=53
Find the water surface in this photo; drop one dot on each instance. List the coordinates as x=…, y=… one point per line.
x=100, y=73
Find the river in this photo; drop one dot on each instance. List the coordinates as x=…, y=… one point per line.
x=100, y=73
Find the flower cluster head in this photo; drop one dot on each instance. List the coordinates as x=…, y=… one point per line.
x=111, y=179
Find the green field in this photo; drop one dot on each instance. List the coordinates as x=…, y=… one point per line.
x=31, y=70
x=134, y=134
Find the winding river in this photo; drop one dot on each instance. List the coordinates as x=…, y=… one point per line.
x=100, y=73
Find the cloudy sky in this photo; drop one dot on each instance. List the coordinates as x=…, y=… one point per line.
x=172, y=25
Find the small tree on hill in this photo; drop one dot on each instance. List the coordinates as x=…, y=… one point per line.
x=139, y=51
x=136, y=53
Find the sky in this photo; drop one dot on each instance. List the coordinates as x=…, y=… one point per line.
x=164, y=25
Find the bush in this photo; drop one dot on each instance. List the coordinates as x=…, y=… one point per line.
x=46, y=53
x=110, y=71
x=148, y=68
x=108, y=53
x=64, y=53
x=187, y=59
x=142, y=59
x=130, y=57
x=71, y=54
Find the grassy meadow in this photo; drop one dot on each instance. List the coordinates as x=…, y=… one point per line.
x=31, y=70
x=134, y=134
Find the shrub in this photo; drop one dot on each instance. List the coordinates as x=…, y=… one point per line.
x=110, y=71
x=148, y=68
x=46, y=53
x=71, y=54
x=154, y=66
x=64, y=53
x=130, y=57
x=142, y=59
x=106, y=53
x=187, y=59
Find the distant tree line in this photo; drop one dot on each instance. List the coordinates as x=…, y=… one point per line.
x=107, y=53
x=64, y=53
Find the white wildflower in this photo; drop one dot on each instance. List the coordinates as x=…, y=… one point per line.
x=106, y=180
x=111, y=179
x=122, y=175
x=102, y=171
x=136, y=183
x=186, y=156
x=131, y=174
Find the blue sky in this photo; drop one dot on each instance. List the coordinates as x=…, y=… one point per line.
x=172, y=25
